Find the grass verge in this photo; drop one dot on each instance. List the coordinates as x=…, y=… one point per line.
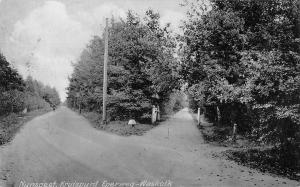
x=117, y=127
x=264, y=158
x=12, y=123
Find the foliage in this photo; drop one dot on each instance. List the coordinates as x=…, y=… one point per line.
x=117, y=127
x=176, y=101
x=267, y=160
x=10, y=79
x=242, y=56
x=38, y=95
x=33, y=102
x=17, y=94
x=141, y=69
x=11, y=123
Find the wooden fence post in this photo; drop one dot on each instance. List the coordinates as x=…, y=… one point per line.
x=218, y=115
x=80, y=107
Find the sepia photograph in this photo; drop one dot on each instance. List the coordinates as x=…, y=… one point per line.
x=149, y=93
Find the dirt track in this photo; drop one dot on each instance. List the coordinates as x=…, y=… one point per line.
x=62, y=146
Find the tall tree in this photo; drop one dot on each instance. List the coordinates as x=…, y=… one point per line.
x=10, y=79
x=140, y=68
x=242, y=57
x=17, y=94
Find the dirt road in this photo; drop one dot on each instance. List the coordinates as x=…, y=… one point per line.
x=62, y=146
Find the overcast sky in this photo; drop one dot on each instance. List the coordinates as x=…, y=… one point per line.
x=42, y=37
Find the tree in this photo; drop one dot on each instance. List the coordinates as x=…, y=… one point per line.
x=141, y=73
x=10, y=79
x=17, y=94
x=11, y=87
x=242, y=57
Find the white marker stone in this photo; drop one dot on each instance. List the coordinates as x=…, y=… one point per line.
x=132, y=122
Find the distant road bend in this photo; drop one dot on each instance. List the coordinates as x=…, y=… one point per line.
x=62, y=146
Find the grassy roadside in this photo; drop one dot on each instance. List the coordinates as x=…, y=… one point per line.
x=177, y=101
x=12, y=123
x=122, y=128
x=264, y=158
x=117, y=127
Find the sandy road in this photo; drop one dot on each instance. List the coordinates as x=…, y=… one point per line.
x=62, y=146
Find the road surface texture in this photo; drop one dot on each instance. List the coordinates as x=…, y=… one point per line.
x=63, y=146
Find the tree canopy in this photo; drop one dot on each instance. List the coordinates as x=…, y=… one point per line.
x=17, y=94
x=141, y=68
x=10, y=79
x=242, y=57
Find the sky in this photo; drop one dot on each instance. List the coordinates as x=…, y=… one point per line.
x=42, y=38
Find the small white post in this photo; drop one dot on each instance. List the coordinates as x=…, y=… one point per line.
x=234, y=132
x=198, y=116
x=158, y=113
x=154, y=115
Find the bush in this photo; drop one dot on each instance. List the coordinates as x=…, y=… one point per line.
x=175, y=102
x=14, y=101
x=33, y=102
x=8, y=125
x=193, y=104
x=268, y=160
x=11, y=101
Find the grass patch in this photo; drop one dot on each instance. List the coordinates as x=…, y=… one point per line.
x=268, y=160
x=265, y=158
x=212, y=134
x=117, y=127
x=11, y=124
x=246, y=152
